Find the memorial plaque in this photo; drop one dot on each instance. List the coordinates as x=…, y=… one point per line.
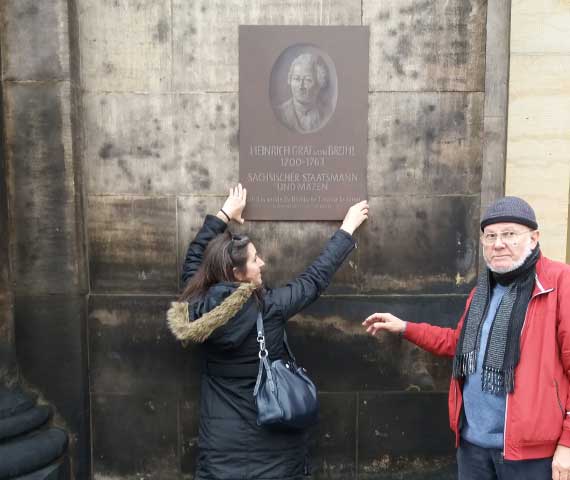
x=303, y=94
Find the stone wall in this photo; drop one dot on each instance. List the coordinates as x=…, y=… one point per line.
x=8, y=363
x=47, y=253
x=538, y=163
x=122, y=132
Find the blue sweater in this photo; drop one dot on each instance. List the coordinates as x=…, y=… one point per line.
x=484, y=412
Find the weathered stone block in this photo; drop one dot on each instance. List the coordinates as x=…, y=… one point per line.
x=405, y=435
x=494, y=157
x=30, y=49
x=131, y=350
x=497, y=58
x=206, y=34
x=48, y=244
x=129, y=147
x=132, y=244
x=287, y=248
x=125, y=45
x=182, y=144
x=134, y=437
x=52, y=356
x=189, y=414
x=540, y=27
x=206, y=143
x=329, y=341
x=333, y=452
x=5, y=273
x=8, y=362
x=539, y=112
x=424, y=143
x=426, y=45
x=420, y=244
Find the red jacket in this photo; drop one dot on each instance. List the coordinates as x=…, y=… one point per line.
x=537, y=414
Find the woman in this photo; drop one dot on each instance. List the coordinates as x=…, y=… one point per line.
x=222, y=298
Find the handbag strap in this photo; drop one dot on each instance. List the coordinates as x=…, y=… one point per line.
x=263, y=362
x=261, y=332
x=264, y=354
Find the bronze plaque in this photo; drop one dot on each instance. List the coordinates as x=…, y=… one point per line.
x=303, y=99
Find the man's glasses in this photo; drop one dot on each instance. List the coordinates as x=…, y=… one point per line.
x=508, y=237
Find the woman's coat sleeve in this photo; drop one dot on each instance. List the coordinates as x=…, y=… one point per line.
x=212, y=227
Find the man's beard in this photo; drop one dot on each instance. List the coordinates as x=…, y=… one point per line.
x=515, y=265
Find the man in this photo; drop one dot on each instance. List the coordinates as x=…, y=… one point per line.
x=509, y=397
x=304, y=111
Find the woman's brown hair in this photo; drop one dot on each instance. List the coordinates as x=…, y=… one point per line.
x=223, y=254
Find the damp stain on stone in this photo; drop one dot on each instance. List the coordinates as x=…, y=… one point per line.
x=234, y=141
x=219, y=108
x=143, y=151
x=404, y=47
x=162, y=28
x=398, y=162
x=385, y=15
x=392, y=32
x=125, y=170
x=421, y=215
x=396, y=64
x=31, y=11
x=417, y=7
x=458, y=118
x=199, y=176
x=108, y=150
x=382, y=140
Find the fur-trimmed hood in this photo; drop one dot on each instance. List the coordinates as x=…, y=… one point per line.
x=198, y=330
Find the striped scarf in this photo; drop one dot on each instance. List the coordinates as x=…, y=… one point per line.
x=503, y=347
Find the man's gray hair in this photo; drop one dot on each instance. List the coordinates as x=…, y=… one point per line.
x=316, y=63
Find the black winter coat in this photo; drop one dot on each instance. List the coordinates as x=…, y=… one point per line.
x=231, y=444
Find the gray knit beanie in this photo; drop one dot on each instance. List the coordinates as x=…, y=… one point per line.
x=509, y=209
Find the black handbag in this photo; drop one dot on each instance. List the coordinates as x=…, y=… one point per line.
x=285, y=396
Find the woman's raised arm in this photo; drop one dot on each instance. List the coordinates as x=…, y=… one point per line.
x=213, y=226
x=309, y=285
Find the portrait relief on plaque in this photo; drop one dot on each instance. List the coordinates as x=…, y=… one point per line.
x=303, y=120
x=303, y=88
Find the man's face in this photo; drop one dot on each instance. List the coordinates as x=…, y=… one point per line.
x=506, y=245
x=304, y=85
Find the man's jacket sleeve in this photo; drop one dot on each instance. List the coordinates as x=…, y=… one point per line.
x=437, y=340
x=564, y=343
